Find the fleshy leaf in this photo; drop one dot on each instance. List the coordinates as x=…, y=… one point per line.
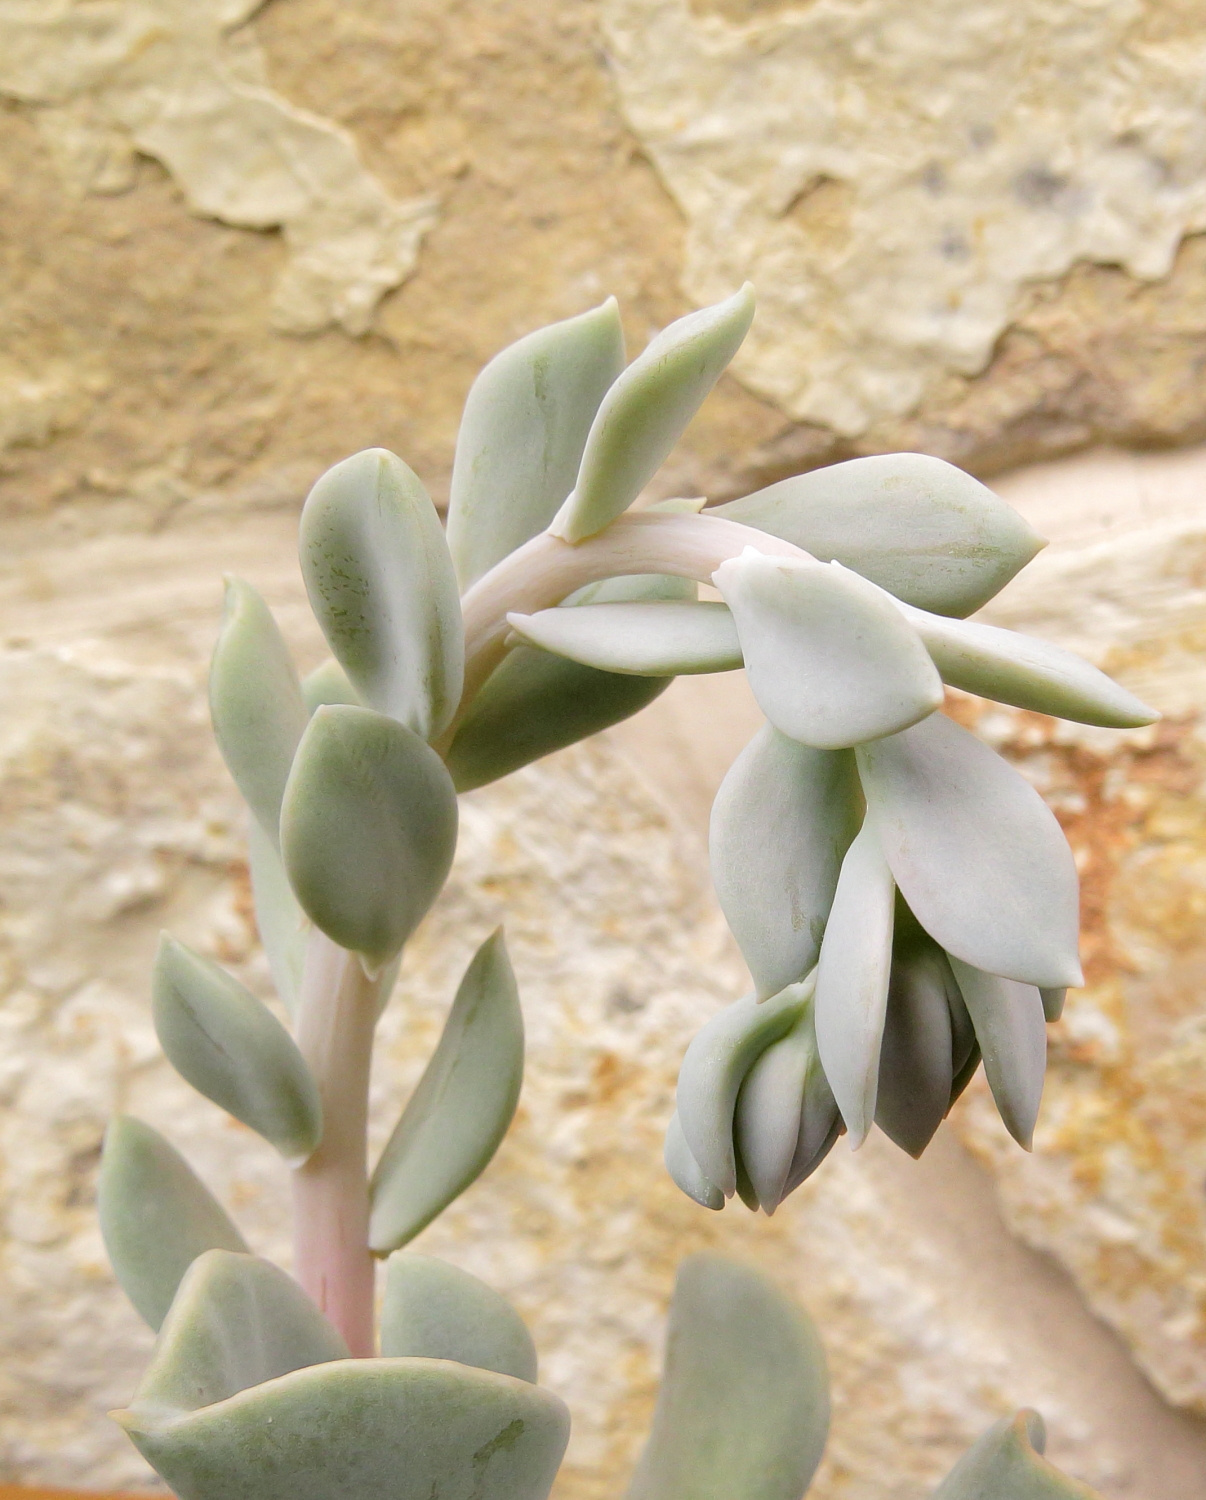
x=382, y=588
x=852, y=981
x=434, y=1310
x=976, y=852
x=664, y=639
x=744, y=1405
x=368, y=829
x=1053, y=1001
x=645, y=411
x=781, y=823
x=328, y=683
x=364, y=1429
x=534, y=703
x=685, y=1170
x=1016, y=669
x=255, y=701
x=828, y=655
x=521, y=438
x=225, y=1042
x=785, y=1113
x=156, y=1215
x=282, y=923
x=1012, y=1032
x=1008, y=1462
x=714, y=1067
x=461, y=1107
x=916, y=1060
x=920, y=528
x=236, y=1322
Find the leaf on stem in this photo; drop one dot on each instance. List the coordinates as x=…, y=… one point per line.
x=781, y=823
x=434, y=1310
x=644, y=413
x=156, y=1215
x=225, y=1042
x=521, y=437
x=828, y=655
x=281, y=922
x=328, y=683
x=920, y=528
x=1011, y=1030
x=461, y=1107
x=1008, y=1462
x=368, y=829
x=685, y=1171
x=916, y=1060
x=743, y=1409
x=256, y=703
x=661, y=639
x=382, y=588
x=976, y=852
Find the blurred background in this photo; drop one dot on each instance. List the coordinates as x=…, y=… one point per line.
x=242, y=240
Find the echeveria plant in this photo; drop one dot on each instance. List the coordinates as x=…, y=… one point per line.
x=905, y=901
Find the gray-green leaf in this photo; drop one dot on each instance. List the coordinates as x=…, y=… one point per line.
x=156, y=1215
x=782, y=821
x=368, y=829
x=382, y=588
x=828, y=655
x=920, y=528
x=685, y=1171
x=645, y=411
x=328, y=683
x=665, y=639
x=461, y=1107
x=282, y=923
x=434, y=1310
x=225, y=1042
x=256, y=702
x=743, y=1411
x=521, y=438
x=916, y=1060
x=976, y=852
x=1012, y=1032
x=1007, y=1462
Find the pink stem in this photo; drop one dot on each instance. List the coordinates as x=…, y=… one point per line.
x=335, y=1020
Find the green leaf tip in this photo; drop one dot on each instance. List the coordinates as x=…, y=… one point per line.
x=368, y=829
x=433, y=1310
x=225, y=1042
x=1008, y=1462
x=461, y=1107
x=156, y=1215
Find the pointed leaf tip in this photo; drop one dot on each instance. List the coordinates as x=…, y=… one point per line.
x=1008, y=1461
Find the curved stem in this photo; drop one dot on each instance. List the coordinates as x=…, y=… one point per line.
x=543, y=571
x=336, y=1016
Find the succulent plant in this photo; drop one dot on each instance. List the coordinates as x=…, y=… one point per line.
x=905, y=902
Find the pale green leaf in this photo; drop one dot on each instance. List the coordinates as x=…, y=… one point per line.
x=362, y=1429
x=781, y=823
x=282, y=923
x=685, y=1171
x=1011, y=1030
x=649, y=640
x=461, y=1107
x=225, y=1042
x=433, y=1310
x=368, y=829
x=156, y=1215
x=1053, y=1001
x=828, y=655
x=743, y=1410
x=382, y=588
x=853, y=974
x=256, y=702
x=521, y=437
x=976, y=852
x=1013, y=668
x=916, y=1060
x=1007, y=1464
x=920, y=528
x=328, y=683
x=646, y=410
x=714, y=1068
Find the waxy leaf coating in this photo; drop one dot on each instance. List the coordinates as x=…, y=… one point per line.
x=461, y=1107
x=256, y=704
x=828, y=655
x=743, y=1409
x=645, y=411
x=524, y=427
x=685, y=1171
x=225, y=1042
x=1007, y=1462
x=382, y=588
x=280, y=920
x=781, y=823
x=368, y=829
x=917, y=1054
x=433, y=1310
x=976, y=852
x=1011, y=1030
x=660, y=639
x=920, y=528
x=156, y=1215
